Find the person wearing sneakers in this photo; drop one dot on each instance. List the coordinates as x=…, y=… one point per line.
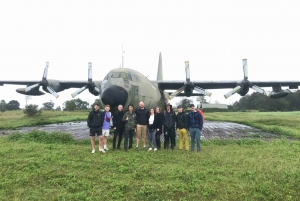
x=142, y=118
x=195, y=127
x=95, y=122
x=169, y=119
x=130, y=127
x=182, y=127
x=118, y=126
x=152, y=127
x=106, y=126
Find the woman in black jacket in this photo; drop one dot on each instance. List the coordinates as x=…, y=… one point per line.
x=152, y=127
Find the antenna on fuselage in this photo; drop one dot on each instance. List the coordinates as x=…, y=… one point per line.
x=122, y=57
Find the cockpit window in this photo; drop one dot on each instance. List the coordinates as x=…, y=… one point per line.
x=115, y=74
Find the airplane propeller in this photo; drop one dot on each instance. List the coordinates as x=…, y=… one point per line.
x=188, y=85
x=244, y=86
x=43, y=83
x=90, y=84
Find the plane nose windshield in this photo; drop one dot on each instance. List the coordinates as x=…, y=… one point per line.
x=114, y=96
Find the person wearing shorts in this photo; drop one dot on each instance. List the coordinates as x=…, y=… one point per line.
x=142, y=119
x=106, y=125
x=94, y=122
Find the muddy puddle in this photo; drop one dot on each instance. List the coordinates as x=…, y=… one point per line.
x=211, y=130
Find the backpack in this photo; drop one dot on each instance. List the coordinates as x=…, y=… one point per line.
x=202, y=114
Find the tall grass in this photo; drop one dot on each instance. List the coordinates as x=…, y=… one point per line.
x=46, y=168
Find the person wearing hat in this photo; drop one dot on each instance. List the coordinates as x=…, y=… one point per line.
x=169, y=119
x=95, y=123
x=195, y=127
x=182, y=127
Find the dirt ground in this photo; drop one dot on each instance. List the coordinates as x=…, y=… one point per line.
x=211, y=130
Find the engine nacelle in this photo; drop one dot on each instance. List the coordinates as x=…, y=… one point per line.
x=93, y=91
x=280, y=94
x=30, y=93
x=55, y=85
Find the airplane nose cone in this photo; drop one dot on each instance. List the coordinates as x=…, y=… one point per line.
x=114, y=96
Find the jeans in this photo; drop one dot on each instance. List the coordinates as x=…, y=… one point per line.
x=151, y=138
x=195, y=133
x=128, y=134
x=169, y=134
x=118, y=132
x=157, y=137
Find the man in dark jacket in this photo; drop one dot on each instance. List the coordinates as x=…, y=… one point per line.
x=182, y=127
x=95, y=122
x=118, y=126
x=195, y=127
x=169, y=119
x=142, y=120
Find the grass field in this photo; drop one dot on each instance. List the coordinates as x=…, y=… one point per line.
x=40, y=166
x=284, y=123
x=15, y=119
x=43, y=166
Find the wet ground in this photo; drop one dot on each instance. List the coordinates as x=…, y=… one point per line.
x=211, y=130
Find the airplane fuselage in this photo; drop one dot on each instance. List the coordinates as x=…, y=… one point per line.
x=128, y=87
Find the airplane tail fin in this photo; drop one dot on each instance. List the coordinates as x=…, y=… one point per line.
x=159, y=70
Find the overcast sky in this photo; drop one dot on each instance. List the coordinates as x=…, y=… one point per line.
x=213, y=35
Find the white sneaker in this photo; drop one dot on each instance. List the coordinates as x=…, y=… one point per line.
x=102, y=150
x=150, y=149
x=155, y=149
x=105, y=147
x=93, y=151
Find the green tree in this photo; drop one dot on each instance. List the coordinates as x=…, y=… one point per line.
x=32, y=110
x=185, y=103
x=58, y=108
x=48, y=105
x=80, y=104
x=2, y=106
x=69, y=105
x=13, y=105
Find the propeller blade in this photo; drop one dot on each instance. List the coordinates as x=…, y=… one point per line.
x=46, y=71
x=90, y=71
x=29, y=88
x=233, y=91
x=97, y=89
x=187, y=71
x=178, y=91
x=52, y=92
x=202, y=91
x=76, y=93
x=245, y=68
x=260, y=90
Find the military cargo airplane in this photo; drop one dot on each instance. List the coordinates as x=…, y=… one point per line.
x=126, y=86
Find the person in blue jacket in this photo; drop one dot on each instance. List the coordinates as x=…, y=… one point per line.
x=195, y=127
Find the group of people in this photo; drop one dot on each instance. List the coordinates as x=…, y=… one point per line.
x=146, y=124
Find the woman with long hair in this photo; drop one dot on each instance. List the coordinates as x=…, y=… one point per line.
x=152, y=127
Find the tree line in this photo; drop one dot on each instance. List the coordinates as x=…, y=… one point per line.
x=70, y=105
x=257, y=101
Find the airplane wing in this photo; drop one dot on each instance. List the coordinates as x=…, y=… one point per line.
x=240, y=87
x=174, y=85
x=53, y=86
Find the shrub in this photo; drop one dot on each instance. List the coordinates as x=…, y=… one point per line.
x=32, y=110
